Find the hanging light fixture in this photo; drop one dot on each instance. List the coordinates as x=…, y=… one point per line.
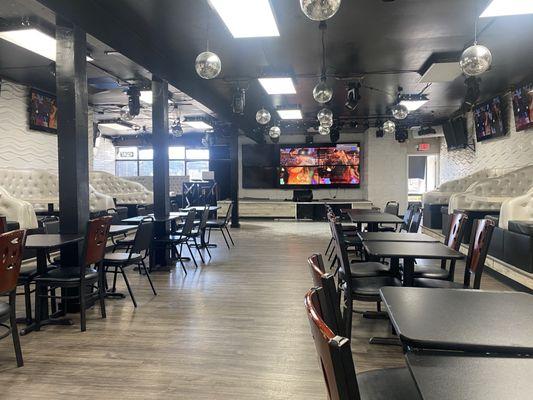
x=208, y=64
x=400, y=111
x=125, y=114
x=274, y=132
x=320, y=10
x=262, y=116
x=476, y=59
x=323, y=130
x=325, y=117
x=323, y=93
x=389, y=127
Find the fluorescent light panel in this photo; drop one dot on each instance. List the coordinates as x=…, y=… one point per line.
x=499, y=8
x=290, y=114
x=247, y=18
x=413, y=105
x=115, y=126
x=200, y=125
x=35, y=41
x=278, y=85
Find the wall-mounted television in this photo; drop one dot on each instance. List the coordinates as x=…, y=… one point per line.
x=320, y=166
x=455, y=133
x=260, y=164
x=43, y=111
x=523, y=107
x=490, y=119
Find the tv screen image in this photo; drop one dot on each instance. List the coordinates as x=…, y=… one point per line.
x=320, y=166
x=490, y=119
x=523, y=107
x=43, y=111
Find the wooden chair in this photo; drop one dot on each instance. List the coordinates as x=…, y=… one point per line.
x=475, y=261
x=336, y=363
x=11, y=247
x=453, y=241
x=82, y=277
x=221, y=224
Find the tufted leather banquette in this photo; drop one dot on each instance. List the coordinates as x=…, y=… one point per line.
x=517, y=209
x=17, y=210
x=124, y=191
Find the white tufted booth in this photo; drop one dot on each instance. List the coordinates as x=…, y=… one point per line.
x=126, y=192
x=517, y=209
x=17, y=210
x=443, y=193
x=489, y=194
x=39, y=188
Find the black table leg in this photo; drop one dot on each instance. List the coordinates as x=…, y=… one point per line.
x=408, y=271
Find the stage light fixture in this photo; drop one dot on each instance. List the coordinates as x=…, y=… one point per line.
x=134, y=105
x=353, y=96
x=472, y=93
x=239, y=101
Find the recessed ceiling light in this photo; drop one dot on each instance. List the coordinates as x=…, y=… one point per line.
x=34, y=40
x=498, y=8
x=200, y=125
x=290, y=113
x=247, y=18
x=278, y=85
x=413, y=102
x=115, y=126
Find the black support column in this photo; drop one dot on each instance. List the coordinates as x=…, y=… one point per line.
x=160, y=141
x=234, y=153
x=72, y=132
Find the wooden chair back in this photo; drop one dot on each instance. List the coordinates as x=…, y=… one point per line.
x=96, y=240
x=3, y=224
x=11, y=248
x=477, y=251
x=334, y=353
x=317, y=269
x=343, y=261
x=456, y=231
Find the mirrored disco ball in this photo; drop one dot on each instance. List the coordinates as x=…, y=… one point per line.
x=389, y=127
x=475, y=60
x=400, y=111
x=125, y=114
x=208, y=65
x=322, y=93
x=274, y=132
x=325, y=117
x=319, y=10
x=323, y=130
x=262, y=116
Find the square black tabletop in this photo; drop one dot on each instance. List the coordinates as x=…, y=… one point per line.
x=201, y=208
x=51, y=240
x=118, y=229
x=462, y=320
x=139, y=218
x=374, y=218
x=453, y=376
x=395, y=237
x=429, y=250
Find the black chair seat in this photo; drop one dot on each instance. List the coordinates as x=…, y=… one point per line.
x=68, y=275
x=369, y=287
x=368, y=269
x=121, y=258
x=431, y=272
x=4, y=311
x=387, y=384
x=437, y=284
x=124, y=242
x=216, y=223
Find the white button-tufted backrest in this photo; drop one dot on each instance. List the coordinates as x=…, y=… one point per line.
x=517, y=209
x=126, y=192
x=17, y=210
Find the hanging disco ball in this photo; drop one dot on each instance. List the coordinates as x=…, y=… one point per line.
x=325, y=117
x=323, y=130
x=322, y=93
x=274, y=132
x=262, y=116
x=399, y=111
x=319, y=10
x=125, y=114
x=475, y=60
x=389, y=127
x=208, y=65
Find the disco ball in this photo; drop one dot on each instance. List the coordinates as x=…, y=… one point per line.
x=262, y=116
x=325, y=117
x=274, y=132
x=319, y=10
x=208, y=65
x=125, y=114
x=323, y=130
x=322, y=93
x=475, y=60
x=389, y=127
x=400, y=111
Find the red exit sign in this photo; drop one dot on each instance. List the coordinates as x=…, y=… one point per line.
x=423, y=147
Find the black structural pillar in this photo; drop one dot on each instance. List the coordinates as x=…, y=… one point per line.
x=234, y=153
x=160, y=140
x=72, y=133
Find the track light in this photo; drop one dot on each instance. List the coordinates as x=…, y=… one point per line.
x=353, y=96
x=238, y=101
x=401, y=134
x=134, y=104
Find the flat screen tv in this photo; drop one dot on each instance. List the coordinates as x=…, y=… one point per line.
x=490, y=119
x=455, y=133
x=320, y=166
x=523, y=107
x=43, y=111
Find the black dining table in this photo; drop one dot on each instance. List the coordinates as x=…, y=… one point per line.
x=372, y=219
x=171, y=216
x=453, y=376
x=42, y=244
x=121, y=229
x=461, y=319
x=395, y=237
x=409, y=251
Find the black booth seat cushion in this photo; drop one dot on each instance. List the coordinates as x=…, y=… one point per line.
x=387, y=384
x=370, y=286
x=431, y=272
x=67, y=275
x=368, y=269
x=4, y=311
x=12, y=225
x=437, y=284
x=522, y=227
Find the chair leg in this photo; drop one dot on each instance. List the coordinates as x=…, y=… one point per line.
x=128, y=286
x=102, y=290
x=224, y=236
x=191, y=253
x=14, y=329
x=148, y=276
x=230, y=238
x=198, y=250
x=333, y=262
x=83, y=306
x=37, y=307
x=208, y=235
x=348, y=303
x=208, y=252
x=53, y=301
x=181, y=261
x=27, y=303
x=114, y=287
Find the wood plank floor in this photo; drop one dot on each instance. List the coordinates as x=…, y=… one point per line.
x=233, y=329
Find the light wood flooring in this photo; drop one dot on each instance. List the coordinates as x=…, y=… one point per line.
x=233, y=329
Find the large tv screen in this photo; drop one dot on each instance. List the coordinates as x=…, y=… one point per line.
x=490, y=119
x=523, y=107
x=43, y=111
x=320, y=166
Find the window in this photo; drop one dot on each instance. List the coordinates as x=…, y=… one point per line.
x=197, y=154
x=195, y=169
x=146, y=154
x=126, y=168
x=176, y=168
x=146, y=168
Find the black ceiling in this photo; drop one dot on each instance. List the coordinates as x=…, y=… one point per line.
x=386, y=43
